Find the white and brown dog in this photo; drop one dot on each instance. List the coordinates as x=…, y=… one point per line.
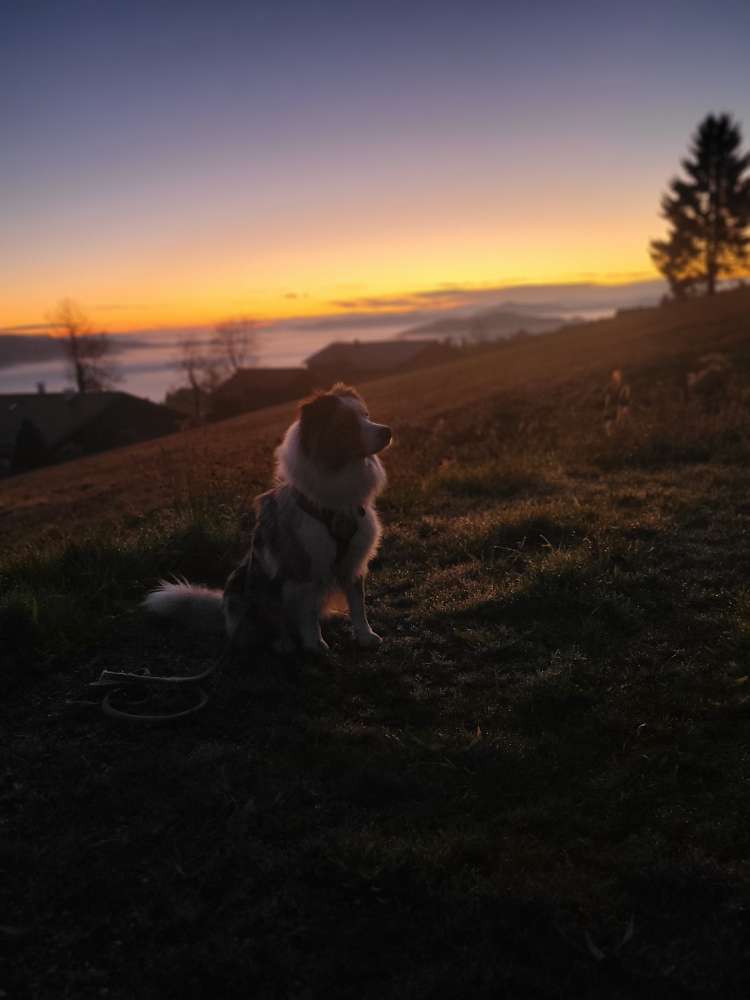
x=315, y=534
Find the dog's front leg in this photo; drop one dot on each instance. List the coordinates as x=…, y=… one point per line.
x=355, y=596
x=302, y=612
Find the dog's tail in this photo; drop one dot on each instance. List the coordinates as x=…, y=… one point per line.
x=187, y=604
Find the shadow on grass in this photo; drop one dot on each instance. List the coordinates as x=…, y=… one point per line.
x=58, y=603
x=493, y=480
x=562, y=598
x=497, y=538
x=478, y=809
x=679, y=435
x=536, y=531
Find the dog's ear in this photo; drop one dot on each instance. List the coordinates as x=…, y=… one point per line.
x=339, y=389
x=317, y=407
x=314, y=414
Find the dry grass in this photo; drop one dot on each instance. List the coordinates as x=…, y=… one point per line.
x=537, y=788
x=132, y=481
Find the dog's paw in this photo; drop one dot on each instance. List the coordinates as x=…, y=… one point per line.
x=318, y=647
x=368, y=640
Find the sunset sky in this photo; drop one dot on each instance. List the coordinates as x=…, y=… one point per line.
x=176, y=162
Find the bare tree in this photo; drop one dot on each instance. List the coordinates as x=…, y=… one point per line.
x=87, y=352
x=236, y=340
x=202, y=371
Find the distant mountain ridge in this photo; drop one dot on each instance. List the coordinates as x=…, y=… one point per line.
x=486, y=325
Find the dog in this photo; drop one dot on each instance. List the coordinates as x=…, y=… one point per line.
x=315, y=533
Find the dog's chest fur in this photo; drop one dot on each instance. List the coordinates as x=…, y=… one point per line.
x=292, y=546
x=295, y=544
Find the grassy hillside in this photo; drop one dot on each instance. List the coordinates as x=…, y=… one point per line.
x=536, y=788
x=146, y=476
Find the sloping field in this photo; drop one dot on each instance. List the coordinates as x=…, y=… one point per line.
x=132, y=480
x=537, y=787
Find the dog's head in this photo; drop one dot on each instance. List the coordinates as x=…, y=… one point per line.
x=335, y=428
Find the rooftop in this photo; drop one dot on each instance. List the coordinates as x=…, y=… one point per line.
x=371, y=356
x=56, y=415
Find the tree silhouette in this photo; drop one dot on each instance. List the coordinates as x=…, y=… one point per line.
x=708, y=213
x=202, y=372
x=86, y=352
x=236, y=341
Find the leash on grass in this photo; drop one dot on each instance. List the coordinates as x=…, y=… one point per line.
x=122, y=679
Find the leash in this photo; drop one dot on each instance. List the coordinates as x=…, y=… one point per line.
x=119, y=681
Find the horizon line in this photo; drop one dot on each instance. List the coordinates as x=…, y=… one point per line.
x=438, y=298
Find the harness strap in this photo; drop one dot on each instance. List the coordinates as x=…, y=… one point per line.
x=339, y=524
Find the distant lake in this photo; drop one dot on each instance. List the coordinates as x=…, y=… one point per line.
x=149, y=367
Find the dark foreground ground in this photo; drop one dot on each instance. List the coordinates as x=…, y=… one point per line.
x=538, y=787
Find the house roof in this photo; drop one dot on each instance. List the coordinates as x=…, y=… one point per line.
x=263, y=379
x=373, y=356
x=56, y=415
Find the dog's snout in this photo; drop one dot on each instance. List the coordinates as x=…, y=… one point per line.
x=387, y=437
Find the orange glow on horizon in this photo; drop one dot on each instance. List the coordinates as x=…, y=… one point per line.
x=207, y=303
x=171, y=258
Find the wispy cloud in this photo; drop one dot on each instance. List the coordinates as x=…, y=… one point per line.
x=26, y=328
x=358, y=318
x=119, y=307
x=407, y=299
x=579, y=295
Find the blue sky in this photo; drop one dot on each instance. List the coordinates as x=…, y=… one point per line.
x=179, y=161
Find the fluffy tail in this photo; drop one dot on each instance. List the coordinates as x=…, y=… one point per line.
x=187, y=604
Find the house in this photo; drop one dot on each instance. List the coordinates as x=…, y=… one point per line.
x=255, y=388
x=39, y=428
x=354, y=361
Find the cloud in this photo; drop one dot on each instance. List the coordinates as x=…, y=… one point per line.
x=29, y=328
x=348, y=320
x=449, y=300
x=377, y=302
x=116, y=306
x=581, y=295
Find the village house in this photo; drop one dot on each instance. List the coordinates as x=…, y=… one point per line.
x=255, y=388
x=40, y=428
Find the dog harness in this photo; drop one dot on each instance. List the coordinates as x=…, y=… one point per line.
x=340, y=525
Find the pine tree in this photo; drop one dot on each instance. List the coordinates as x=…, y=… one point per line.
x=709, y=213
